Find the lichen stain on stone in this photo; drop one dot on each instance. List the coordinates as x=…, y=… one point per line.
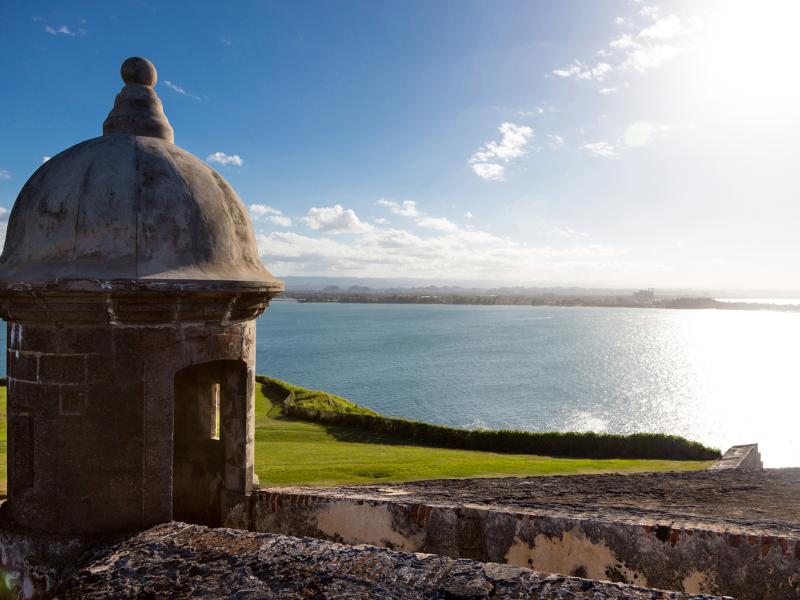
x=571, y=553
x=365, y=524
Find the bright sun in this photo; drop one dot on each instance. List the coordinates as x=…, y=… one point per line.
x=747, y=58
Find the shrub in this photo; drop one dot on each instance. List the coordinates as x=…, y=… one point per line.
x=310, y=405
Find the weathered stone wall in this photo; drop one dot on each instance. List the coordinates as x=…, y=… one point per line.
x=665, y=547
x=182, y=561
x=90, y=417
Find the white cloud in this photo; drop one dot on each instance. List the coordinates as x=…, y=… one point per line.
x=380, y=221
x=624, y=42
x=438, y=223
x=578, y=70
x=261, y=210
x=281, y=220
x=544, y=107
x=180, y=89
x=46, y=158
x=273, y=215
x=664, y=39
x=600, y=149
x=224, y=159
x=61, y=30
x=406, y=208
x=335, y=219
x=469, y=215
x=607, y=91
x=651, y=12
x=490, y=171
x=409, y=208
x=663, y=28
x=642, y=133
x=564, y=232
x=555, y=140
x=4, y=174
x=487, y=162
x=646, y=58
x=453, y=254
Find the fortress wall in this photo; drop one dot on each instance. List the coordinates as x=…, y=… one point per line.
x=682, y=555
x=176, y=560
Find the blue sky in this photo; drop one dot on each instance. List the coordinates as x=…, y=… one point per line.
x=613, y=143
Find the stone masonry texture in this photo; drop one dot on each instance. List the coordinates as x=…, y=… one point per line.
x=190, y=561
x=731, y=533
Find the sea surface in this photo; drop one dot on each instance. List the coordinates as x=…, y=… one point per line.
x=719, y=377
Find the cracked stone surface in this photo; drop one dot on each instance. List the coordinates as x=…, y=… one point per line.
x=190, y=561
x=765, y=501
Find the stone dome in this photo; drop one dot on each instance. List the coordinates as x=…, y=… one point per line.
x=130, y=206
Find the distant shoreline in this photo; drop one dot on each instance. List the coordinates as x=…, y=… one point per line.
x=513, y=300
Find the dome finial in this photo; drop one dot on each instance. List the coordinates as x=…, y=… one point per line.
x=137, y=109
x=139, y=70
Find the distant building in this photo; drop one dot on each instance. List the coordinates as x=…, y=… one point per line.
x=647, y=295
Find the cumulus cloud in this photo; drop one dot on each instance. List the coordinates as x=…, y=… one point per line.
x=578, y=70
x=451, y=254
x=488, y=162
x=439, y=249
x=644, y=59
x=489, y=171
x=601, y=149
x=335, y=219
x=273, y=215
x=469, y=215
x=607, y=91
x=641, y=48
x=655, y=44
x=4, y=174
x=409, y=208
x=438, y=223
x=663, y=28
x=406, y=208
x=225, y=159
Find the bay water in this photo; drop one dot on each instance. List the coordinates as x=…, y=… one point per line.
x=718, y=377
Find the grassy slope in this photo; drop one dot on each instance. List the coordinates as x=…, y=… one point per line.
x=292, y=452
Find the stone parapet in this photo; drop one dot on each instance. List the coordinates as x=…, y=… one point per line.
x=720, y=539
x=183, y=561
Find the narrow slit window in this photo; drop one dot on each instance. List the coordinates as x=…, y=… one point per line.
x=215, y=411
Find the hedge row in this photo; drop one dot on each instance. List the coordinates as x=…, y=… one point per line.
x=568, y=444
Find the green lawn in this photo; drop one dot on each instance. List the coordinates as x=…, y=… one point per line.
x=290, y=452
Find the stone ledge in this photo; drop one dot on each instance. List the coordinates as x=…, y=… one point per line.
x=182, y=561
x=732, y=532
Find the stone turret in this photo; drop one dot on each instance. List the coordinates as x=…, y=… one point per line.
x=130, y=281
